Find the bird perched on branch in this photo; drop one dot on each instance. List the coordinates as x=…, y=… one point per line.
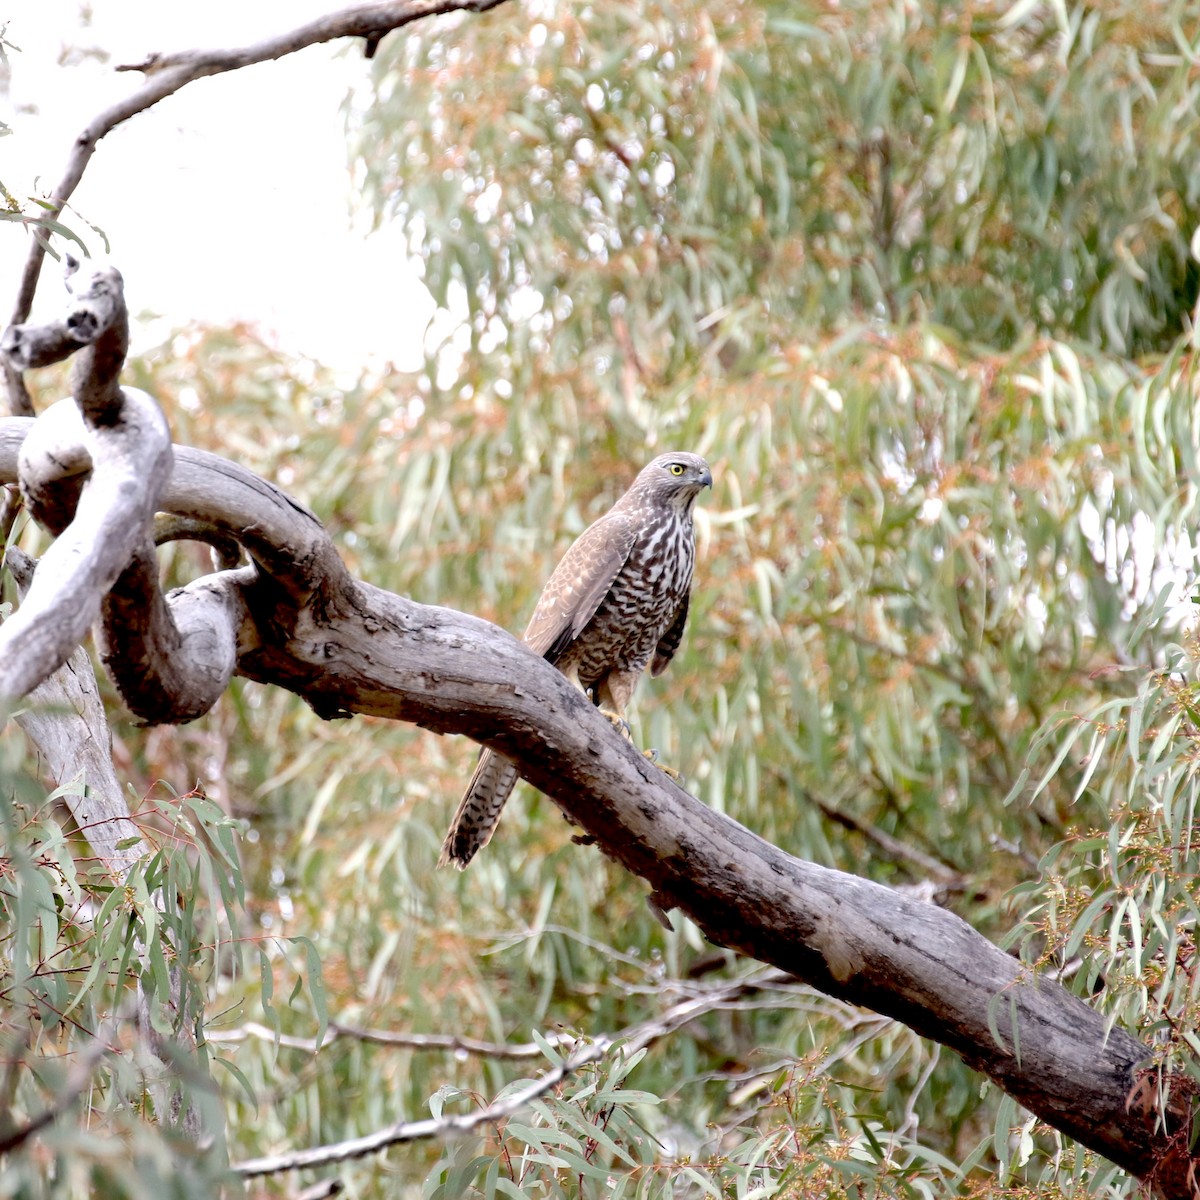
x=615, y=604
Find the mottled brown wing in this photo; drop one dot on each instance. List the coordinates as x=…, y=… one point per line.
x=669, y=642
x=579, y=584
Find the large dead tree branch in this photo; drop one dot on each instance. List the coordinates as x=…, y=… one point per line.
x=64, y=718
x=65, y=721
x=297, y=619
x=91, y=471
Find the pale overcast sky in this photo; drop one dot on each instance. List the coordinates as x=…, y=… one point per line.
x=229, y=200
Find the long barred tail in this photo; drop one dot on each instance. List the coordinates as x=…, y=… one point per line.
x=479, y=810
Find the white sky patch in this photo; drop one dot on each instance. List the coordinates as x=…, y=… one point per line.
x=230, y=201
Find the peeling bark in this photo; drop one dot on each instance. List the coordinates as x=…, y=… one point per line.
x=66, y=723
x=65, y=719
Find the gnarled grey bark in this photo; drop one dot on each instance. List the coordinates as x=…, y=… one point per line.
x=65, y=719
x=347, y=647
x=67, y=725
x=296, y=618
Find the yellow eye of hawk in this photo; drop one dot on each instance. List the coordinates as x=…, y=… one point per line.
x=676, y=468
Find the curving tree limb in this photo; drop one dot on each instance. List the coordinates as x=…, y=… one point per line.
x=66, y=721
x=96, y=468
x=91, y=472
x=297, y=619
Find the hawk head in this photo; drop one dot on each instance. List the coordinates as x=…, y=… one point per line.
x=676, y=478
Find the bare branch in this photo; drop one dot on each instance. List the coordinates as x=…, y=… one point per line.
x=386, y=1037
x=629, y=1041
x=370, y=21
x=708, y=997
x=943, y=876
x=411, y=1131
x=131, y=460
x=171, y=659
x=276, y=530
x=145, y=635
x=122, y=436
x=226, y=551
x=97, y=306
x=450, y=1042
x=167, y=73
x=66, y=721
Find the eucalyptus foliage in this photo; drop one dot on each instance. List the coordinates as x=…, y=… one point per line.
x=661, y=177
x=104, y=984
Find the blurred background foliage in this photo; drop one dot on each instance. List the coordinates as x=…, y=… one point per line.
x=918, y=279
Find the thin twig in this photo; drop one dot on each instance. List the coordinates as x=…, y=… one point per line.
x=167, y=73
x=631, y=1040
x=893, y=847
x=77, y=1081
x=409, y=1131
x=450, y=1042
x=387, y=1037
x=710, y=997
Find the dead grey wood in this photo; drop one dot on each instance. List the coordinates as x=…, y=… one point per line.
x=98, y=305
x=95, y=469
x=91, y=470
x=169, y=657
x=347, y=647
x=631, y=1040
x=65, y=721
x=112, y=512
x=64, y=718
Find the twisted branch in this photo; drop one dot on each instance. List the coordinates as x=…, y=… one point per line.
x=295, y=618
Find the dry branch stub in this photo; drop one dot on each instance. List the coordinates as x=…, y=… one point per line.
x=91, y=471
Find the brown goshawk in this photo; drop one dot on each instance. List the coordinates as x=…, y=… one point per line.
x=615, y=604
